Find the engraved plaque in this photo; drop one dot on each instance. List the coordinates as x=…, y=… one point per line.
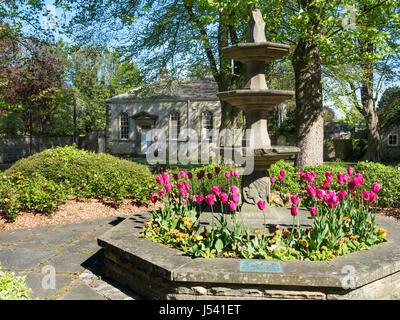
x=260, y=266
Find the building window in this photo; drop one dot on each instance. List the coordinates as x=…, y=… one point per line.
x=124, y=125
x=208, y=123
x=174, y=125
x=393, y=140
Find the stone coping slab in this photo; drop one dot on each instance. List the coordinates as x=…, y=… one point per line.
x=171, y=264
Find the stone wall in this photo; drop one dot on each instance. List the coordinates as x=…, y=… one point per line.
x=155, y=271
x=14, y=148
x=390, y=153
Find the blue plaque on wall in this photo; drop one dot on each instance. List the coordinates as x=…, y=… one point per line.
x=260, y=266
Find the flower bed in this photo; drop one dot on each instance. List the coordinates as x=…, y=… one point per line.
x=342, y=221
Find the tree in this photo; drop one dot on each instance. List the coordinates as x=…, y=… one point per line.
x=96, y=74
x=189, y=35
x=357, y=83
x=29, y=83
x=389, y=107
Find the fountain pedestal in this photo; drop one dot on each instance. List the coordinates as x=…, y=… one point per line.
x=256, y=100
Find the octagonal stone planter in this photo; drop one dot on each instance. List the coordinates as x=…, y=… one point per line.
x=156, y=271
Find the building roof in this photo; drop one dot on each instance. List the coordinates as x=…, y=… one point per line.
x=181, y=89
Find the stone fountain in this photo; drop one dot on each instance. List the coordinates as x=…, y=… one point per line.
x=155, y=271
x=256, y=100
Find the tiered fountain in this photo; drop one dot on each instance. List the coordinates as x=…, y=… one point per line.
x=155, y=271
x=256, y=100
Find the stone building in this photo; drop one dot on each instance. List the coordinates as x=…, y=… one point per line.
x=163, y=104
x=390, y=143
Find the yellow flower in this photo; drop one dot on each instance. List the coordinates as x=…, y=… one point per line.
x=347, y=219
x=324, y=248
x=207, y=234
x=278, y=232
x=198, y=238
x=286, y=233
x=187, y=221
x=382, y=232
x=303, y=243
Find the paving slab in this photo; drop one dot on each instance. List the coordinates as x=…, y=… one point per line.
x=57, y=237
x=43, y=289
x=81, y=292
x=12, y=259
x=69, y=262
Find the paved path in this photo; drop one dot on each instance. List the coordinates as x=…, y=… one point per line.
x=70, y=252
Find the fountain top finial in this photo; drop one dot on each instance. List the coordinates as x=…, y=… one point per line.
x=256, y=27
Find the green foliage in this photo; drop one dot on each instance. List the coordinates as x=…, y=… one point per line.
x=13, y=287
x=291, y=180
x=36, y=193
x=203, y=186
x=42, y=181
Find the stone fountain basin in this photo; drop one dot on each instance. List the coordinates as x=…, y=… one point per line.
x=252, y=100
x=257, y=51
x=156, y=271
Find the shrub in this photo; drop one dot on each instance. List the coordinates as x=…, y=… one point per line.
x=203, y=185
x=37, y=194
x=386, y=176
x=291, y=180
x=13, y=287
x=88, y=174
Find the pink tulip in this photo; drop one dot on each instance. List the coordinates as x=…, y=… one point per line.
x=236, y=174
x=365, y=195
x=216, y=190
x=273, y=180
x=342, y=194
x=282, y=173
x=182, y=192
x=280, y=178
x=293, y=211
x=328, y=174
x=354, y=194
x=223, y=197
x=227, y=174
x=311, y=190
x=232, y=205
x=320, y=193
x=350, y=170
x=162, y=192
x=261, y=205
x=210, y=199
x=154, y=198
x=372, y=197
x=165, y=176
x=187, y=186
x=234, y=189
x=375, y=187
x=351, y=185
x=313, y=211
x=198, y=199
x=160, y=179
x=168, y=187
x=358, y=179
x=295, y=199
x=234, y=197
x=340, y=178
x=325, y=185
x=183, y=174
x=180, y=185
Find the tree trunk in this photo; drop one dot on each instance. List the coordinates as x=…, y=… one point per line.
x=369, y=109
x=310, y=126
